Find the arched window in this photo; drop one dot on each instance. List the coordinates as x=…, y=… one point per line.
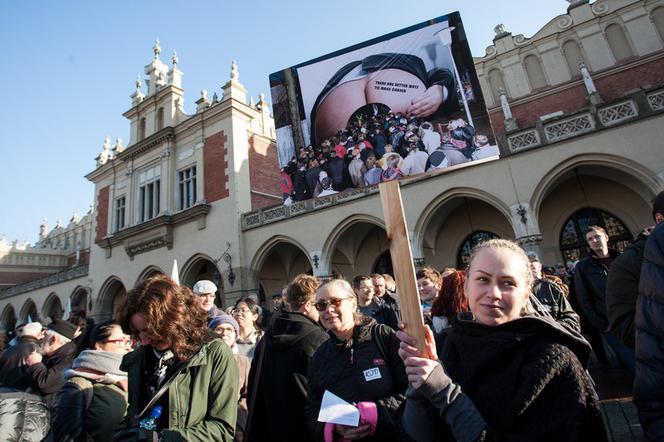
x=573, y=54
x=463, y=254
x=618, y=42
x=384, y=264
x=573, y=243
x=497, y=82
x=657, y=16
x=160, y=118
x=141, y=129
x=535, y=72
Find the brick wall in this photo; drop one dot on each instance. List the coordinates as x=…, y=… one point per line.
x=215, y=157
x=102, y=214
x=610, y=88
x=263, y=172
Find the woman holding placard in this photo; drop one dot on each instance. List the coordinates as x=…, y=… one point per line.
x=359, y=364
x=504, y=373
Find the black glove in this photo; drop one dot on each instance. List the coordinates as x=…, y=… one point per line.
x=128, y=434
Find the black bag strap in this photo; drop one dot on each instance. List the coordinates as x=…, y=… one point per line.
x=165, y=385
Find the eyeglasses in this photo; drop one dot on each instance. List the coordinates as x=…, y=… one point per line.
x=206, y=295
x=321, y=306
x=122, y=342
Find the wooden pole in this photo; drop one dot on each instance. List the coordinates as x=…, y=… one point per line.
x=402, y=263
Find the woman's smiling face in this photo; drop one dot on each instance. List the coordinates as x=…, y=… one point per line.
x=497, y=285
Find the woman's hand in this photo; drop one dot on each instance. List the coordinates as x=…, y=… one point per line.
x=428, y=102
x=418, y=368
x=352, y=433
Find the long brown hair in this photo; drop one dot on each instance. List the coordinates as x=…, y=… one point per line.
x=451, y=298
x=171, y=314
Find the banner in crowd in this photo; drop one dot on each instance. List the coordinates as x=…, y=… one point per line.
x=416, y=87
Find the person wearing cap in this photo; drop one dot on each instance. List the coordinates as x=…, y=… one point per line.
x=45, y=370
x=12, y=360
x=228, y=330
x=205, y=292
x=550, y=297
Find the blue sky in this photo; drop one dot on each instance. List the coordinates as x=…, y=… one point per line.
x=67, y=69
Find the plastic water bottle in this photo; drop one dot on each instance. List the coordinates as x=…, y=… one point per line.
x=150, y=423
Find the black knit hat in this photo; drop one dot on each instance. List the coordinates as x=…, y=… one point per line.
x=65, y=328
x=658, y=204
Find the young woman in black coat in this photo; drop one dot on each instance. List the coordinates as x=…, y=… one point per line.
x=501, y=372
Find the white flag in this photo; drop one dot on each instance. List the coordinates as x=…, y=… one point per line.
x=174, y=273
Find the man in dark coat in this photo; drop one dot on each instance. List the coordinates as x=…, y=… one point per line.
x=13, y=358
x=590, y=284
x=59, y=350
x=369, y=306
x=552, y=298
x=622, y=285
x=278, y=404
x=649, y=380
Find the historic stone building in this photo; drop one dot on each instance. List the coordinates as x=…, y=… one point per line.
x=577, y=108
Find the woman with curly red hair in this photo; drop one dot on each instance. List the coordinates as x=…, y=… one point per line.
x=450, y=301
x=178, y=353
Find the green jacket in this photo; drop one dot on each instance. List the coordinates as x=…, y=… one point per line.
x=202, y=400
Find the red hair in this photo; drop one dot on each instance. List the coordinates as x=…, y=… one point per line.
x=451, y=298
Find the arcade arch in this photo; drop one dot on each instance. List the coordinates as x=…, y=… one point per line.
x=79, y=300
x=8, y=318
x=149, y=272
x=111, y=296
x=448, y=222
x=357, y=246
x=278, y=261
x=29, y=309
x=200, y=267
x=571, y=197
x=52, y=308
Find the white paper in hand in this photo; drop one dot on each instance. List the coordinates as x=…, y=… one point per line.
x=335, y=410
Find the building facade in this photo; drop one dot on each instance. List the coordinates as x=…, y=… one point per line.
x=577, y=109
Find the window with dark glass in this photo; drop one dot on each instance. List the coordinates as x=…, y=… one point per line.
x=187, y=187
x=119, y=213
x=476, y=237
x=573, y=243
x=149, y=184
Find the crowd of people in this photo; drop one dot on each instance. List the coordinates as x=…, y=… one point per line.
x=507, y=351
x=376, y=146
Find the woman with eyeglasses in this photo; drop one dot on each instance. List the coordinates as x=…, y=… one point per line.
x=501, y=372
x=359, y=364
x=246, y=313
x=93, y=400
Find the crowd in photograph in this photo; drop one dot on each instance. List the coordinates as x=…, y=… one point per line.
x=376, y=146
x=508, y=344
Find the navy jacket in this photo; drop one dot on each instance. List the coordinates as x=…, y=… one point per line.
x=649, y=380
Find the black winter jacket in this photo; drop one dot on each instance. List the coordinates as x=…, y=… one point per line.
x=552, y=298
x=47, y=377
x=622, y=289
x=590, y=284
x=12, y=374
x=523, y=380
x=649, y=380
x=279, y=408
x=343, y=369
